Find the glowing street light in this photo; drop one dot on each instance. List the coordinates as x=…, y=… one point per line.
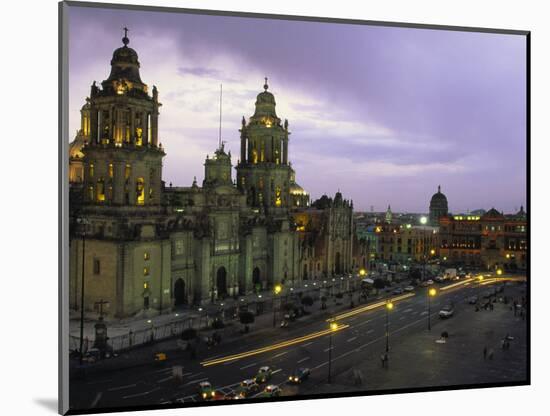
x=362, y=272
x=431, y=293
x=423, y=220
x=499, y=272
x=432, y=252
x=333, y=327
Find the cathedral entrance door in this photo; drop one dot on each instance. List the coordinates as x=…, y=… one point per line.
x=221, y=282
x=337, y=266
x=179, y=292
x=256, y=281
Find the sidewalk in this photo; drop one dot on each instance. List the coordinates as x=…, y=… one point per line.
x=131, y=333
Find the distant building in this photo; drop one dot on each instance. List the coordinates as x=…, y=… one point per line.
x=492, y=240
x=438, y=207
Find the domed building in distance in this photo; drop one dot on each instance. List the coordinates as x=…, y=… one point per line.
x=438, y=207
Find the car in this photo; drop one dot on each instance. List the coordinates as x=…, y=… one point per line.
x=439, y=279
x=206, y=391
x=429, y=282
x=299, y=375
x=409, y=288
x=248, y=387
x=271, y=391
x=446, y=312
x=397, y=291
x=91, y=356
x=264, y=374
x=472, y=300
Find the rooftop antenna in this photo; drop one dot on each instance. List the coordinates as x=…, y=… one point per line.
x=220, y=133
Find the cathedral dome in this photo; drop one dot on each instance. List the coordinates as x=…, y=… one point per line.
x=265, y=104
x=125, y=64
x=296, y=189
x=438, y=199
x=438, y=206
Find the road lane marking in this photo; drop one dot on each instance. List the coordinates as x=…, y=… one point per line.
x=277, y=371
x=302, y=360
x=351, y=339
x=230, y=362
x=196, y=381
x=165, y=379
x=320, y=365
x=401, y=318
x=280, y=354
x=423, y=313
x=407, y=310
x=370, y=331
x=122, y=387
x=99, y=381
x=308, y=344
x=328, y=349
x=248, y=366
x=141, y=394
x=96, y=400
x=364, y=323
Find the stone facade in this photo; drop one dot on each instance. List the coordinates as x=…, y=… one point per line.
x=147, y=247
x=492, y=240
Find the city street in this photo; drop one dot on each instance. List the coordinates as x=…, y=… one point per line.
x=417, y=357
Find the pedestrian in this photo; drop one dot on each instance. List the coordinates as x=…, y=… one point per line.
x=490, y=354
x=485, y=352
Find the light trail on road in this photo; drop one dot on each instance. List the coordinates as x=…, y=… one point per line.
x=283, y=344
x=368, y=307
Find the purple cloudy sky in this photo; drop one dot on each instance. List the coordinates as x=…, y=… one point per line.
x=383, y=114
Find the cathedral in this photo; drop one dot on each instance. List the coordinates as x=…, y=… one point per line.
x=138, y=245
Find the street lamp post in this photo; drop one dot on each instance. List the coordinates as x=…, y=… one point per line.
x=83, y=222
x=431, y=293
x=389, y=307
x=276, y=290
x=333, y=327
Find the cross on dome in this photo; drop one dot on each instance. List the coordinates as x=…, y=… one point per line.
x=125, y=39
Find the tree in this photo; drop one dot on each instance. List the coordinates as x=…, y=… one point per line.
x=246, y=318
x=415, y=274
x=189, y=334
x=379, y=283
x=217, y=324
x=307, y=301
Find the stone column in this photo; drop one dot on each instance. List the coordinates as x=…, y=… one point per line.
x=93, y=125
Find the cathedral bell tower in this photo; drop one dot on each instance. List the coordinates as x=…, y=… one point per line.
x=122, y=156
x=264, y=172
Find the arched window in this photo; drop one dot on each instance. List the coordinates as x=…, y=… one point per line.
x=140, y=191
x=100, y=190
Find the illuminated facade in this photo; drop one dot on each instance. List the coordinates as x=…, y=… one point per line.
x=492, y=240
x=325, y=235
x=147, y=248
